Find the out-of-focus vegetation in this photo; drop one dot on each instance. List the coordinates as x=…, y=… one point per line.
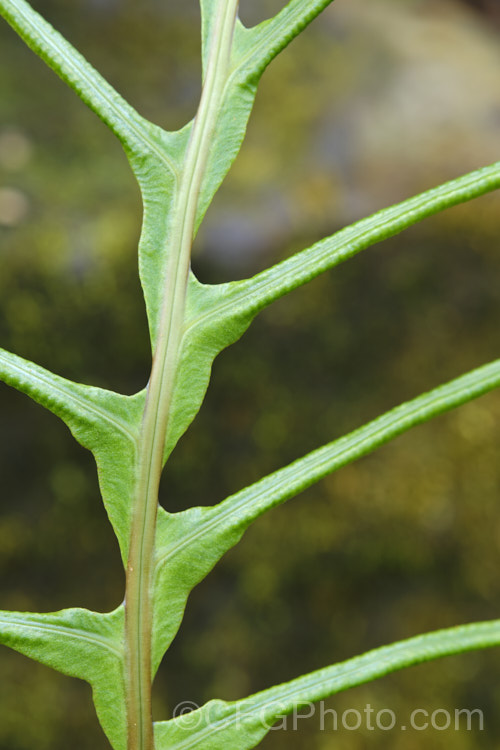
x=375, y=101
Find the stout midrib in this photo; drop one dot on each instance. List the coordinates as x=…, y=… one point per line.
x=138, y=602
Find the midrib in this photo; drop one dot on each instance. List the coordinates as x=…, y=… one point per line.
x=160, y=389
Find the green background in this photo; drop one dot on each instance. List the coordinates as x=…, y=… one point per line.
x=373, y=103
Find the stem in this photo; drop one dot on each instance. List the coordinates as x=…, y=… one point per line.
x=138, y=600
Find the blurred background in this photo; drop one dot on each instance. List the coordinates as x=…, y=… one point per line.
x=374, y=102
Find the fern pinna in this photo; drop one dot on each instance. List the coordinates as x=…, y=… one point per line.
x=131, y=437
